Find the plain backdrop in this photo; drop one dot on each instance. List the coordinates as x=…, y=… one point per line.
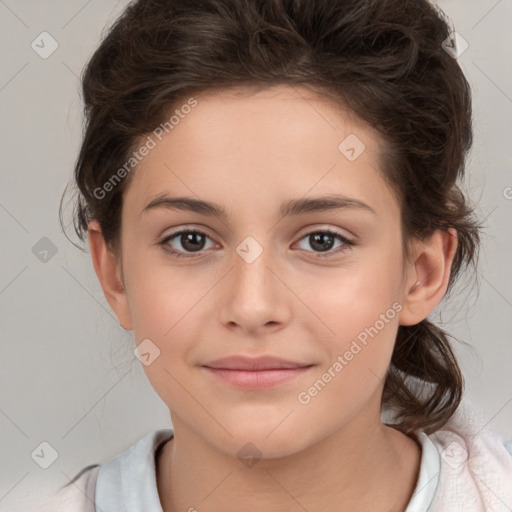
x=68, y=376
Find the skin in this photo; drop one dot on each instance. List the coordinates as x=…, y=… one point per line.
x=250, y=152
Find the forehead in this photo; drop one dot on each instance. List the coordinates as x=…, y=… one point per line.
x=281, y=142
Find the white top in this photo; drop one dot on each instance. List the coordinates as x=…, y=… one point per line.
x=465, y=467
x=128, y=482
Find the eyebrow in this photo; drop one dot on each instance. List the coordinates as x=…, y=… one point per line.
x=290, y=208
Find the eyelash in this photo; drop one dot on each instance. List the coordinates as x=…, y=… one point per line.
x=180, y=254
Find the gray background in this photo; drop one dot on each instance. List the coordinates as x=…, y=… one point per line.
x=67, y=371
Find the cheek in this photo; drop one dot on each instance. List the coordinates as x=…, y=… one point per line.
x=347, y=300
x=167, y=304
x=357, y=316
x=162, y=311
x=161, y=297
x=359, y=351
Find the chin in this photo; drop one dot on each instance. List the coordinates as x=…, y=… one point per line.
x=256, y=442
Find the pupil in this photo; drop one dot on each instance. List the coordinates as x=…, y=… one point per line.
x=320, y=237
x=191, y=238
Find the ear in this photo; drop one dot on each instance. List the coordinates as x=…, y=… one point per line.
x=108, y=270
x=427, y=276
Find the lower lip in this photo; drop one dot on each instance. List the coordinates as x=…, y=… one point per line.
x=257, y=379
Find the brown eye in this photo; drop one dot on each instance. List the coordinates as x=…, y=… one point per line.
x=323, y=241
x=190, y=240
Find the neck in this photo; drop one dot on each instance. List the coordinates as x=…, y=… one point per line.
x=372, y=468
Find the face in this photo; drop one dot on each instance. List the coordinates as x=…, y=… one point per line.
x=319, y=287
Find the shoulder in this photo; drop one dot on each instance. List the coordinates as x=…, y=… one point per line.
x=127, y=481
x=76, y=496
x=475, y=464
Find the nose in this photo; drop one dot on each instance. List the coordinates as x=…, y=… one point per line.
x=253, y=296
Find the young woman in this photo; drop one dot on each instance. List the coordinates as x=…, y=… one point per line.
x=270, y=193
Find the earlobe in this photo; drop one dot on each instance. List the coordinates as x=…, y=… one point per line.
x=428, y=278
x=108, y=271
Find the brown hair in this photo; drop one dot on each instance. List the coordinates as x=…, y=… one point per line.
x=383, y=59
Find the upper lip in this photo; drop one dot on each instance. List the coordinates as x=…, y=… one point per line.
x=251, y=363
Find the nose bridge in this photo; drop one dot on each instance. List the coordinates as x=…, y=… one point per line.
x=254, y=298
x=251, y=260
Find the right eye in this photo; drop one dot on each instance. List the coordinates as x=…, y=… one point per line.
x=192, y=241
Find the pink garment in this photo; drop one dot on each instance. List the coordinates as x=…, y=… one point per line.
x=476, y=465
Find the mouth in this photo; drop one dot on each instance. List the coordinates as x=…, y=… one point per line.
x=260, y=373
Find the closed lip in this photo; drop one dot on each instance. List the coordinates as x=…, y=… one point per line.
x=245, y=363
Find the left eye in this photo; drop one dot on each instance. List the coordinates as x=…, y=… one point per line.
x=193, y=241
x=324, y=240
